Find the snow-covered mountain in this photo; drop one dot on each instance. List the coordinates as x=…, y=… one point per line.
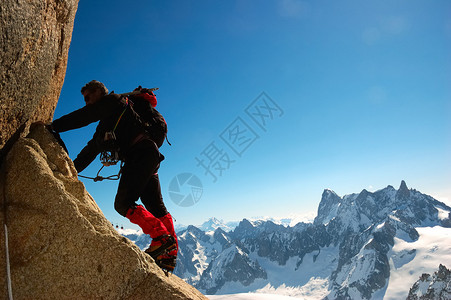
x=136, y=236
x=210, y=225
x=143, y=241
x=213, y=223
x=359, y=246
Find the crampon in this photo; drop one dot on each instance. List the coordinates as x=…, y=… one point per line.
x=160, y=253
x=166, y=263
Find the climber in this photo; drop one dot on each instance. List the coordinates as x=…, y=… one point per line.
x=141, y=158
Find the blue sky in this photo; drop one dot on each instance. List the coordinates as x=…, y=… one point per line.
x=358, y=94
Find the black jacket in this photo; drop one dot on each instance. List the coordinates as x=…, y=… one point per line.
x=108, y=111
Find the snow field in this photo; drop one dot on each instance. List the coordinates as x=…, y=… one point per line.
x=409, y=260
x=309, y=281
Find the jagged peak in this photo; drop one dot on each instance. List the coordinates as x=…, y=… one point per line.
x=329, y=192
x=192, y=228
x=214, y=220
x=364, y=193
x=328, y=205
x=220, y=235
x=442, y=268
x=403, y=191
x=219, y=230
x=245, y=223
x=329, y=195
x=403, y=185
x=432, y=287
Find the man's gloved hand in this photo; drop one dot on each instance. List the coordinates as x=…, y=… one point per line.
x=50, y=128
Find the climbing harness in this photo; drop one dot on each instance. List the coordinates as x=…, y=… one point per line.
x=110, y=156
x=101, y=178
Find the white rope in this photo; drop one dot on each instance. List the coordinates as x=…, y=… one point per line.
x=5, y=221
x=8, y=267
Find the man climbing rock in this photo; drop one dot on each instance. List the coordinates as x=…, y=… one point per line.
x=124, y=134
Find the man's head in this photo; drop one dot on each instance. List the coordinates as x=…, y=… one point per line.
x=93, y=91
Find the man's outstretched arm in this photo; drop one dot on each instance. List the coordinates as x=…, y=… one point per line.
x=86, y=156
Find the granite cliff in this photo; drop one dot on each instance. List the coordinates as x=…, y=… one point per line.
x=60, y=244
x=34, y=45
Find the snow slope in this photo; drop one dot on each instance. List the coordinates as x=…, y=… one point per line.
x=411, y=259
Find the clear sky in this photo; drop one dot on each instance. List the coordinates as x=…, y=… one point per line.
x=270, y=102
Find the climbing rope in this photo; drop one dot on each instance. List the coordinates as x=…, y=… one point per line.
x=8, y=266
x=101, y=178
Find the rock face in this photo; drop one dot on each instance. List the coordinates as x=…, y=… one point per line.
x=34, y=43
x=60, y=244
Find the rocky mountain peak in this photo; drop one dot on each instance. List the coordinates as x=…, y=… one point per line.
x=212, y=222
x=328, y=206
x=244, y=228
x=194, y=229
x=403, y=192
x=362, y=197
x=329, y=194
